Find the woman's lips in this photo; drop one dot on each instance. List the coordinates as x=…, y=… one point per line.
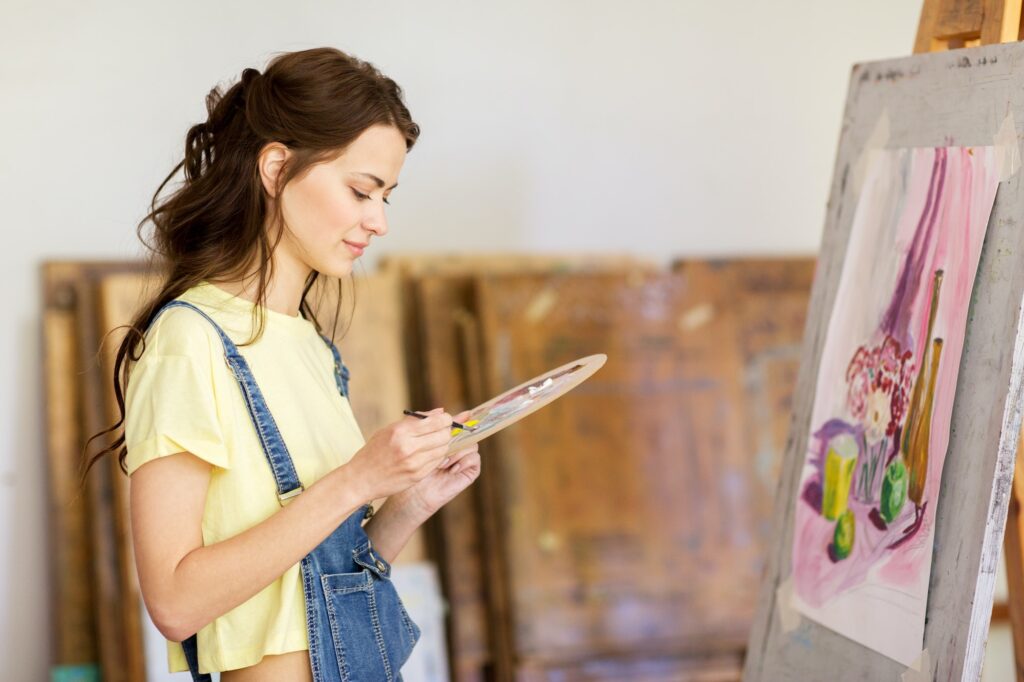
x=357, y=249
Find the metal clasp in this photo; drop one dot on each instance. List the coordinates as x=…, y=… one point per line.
x=283, y=498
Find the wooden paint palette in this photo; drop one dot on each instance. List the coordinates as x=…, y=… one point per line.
x=525, y=399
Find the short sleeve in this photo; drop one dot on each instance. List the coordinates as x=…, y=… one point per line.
x=170, y=401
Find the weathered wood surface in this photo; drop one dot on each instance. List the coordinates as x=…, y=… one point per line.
x=626, y=510
x=952, y=24
x=74, y=631
x=118, y=298
x=442, y=356
x=1013, y=545
x=115, y=608
x=753, y=310
x=943, y=98
x=445, y=324
x=763, y=302
x=410, y=265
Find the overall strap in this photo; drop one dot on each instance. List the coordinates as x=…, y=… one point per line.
x=341, y=373
x=281, y=465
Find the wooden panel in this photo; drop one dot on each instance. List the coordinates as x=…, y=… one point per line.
x=445, y=369
x=74, y=632
x=119, y=297
x=710, y=668
x=625, y=509
x=768, y=298
x=446, y=326
x=419, y=264
x=124, y=658
x=115, y=609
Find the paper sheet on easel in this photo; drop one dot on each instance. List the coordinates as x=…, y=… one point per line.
x=879, y=429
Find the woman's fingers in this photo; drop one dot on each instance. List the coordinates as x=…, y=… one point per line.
x=470, y=461
x=430, y=441
x=437, y=421
x=461, y=454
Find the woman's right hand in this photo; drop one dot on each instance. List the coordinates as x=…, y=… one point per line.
x=402, y=454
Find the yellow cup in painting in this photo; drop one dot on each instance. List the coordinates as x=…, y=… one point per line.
x=839, y=465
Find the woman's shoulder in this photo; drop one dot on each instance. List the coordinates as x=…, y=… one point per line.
x=180, y=330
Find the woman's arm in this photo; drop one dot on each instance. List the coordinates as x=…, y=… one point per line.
x=186, y=585
x=399, y=517
x=391, y=526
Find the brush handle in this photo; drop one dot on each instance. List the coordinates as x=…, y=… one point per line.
x=424, y=416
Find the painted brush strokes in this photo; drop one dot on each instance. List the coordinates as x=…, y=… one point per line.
x=862, y=540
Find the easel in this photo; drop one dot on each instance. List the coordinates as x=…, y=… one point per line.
x=948, y=25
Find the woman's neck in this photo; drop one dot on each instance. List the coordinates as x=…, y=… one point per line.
x=284, y=288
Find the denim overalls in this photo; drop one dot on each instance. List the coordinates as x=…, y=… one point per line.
x=358, y=629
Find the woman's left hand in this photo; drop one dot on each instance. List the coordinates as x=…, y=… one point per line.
x=444, y=483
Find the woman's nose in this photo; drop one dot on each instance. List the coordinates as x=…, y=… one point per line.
x=377, y=222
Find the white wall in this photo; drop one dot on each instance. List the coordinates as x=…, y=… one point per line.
x=657, y=128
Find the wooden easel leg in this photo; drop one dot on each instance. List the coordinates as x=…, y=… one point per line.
x=1013, y=551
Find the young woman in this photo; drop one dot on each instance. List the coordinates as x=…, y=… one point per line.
x=250, y=480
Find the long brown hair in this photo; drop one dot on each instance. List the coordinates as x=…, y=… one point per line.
x=316, y=102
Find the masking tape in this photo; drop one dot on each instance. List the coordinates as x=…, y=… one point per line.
x=1006, y=141
x=877, y=140
x=920, y=670
x=788, y=616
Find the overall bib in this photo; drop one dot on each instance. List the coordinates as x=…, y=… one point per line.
x=358, y=628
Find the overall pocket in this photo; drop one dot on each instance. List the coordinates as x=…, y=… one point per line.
x=371, y=631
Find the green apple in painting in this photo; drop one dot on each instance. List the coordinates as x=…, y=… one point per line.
x=842, y=540
x=894, y=490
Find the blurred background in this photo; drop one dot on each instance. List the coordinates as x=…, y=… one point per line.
x=668, y=156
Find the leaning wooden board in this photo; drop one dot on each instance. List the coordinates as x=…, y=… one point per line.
x=108, y=483
x=766, y=299
x=958, y=97
x=115, y=610
x=119, y=296
x=624, y=530
x=443, y=356
x=448, y=363
x=74, y=631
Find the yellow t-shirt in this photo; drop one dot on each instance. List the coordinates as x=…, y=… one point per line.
x=181, y=396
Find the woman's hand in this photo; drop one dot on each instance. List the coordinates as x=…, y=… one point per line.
x=401, y=454
x=446, y=481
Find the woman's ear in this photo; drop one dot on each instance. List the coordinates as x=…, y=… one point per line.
x=270, y=163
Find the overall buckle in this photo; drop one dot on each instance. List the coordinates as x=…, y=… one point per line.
x=283, y=498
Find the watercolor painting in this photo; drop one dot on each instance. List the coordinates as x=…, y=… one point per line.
x=879, y=430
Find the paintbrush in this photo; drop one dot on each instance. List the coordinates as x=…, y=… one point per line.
x=424, y=416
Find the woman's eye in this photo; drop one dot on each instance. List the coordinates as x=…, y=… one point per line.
x=361, y=196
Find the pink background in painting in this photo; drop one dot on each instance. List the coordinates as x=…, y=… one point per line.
x=878, y=596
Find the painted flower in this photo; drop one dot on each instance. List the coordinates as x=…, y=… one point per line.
x=878, y=415
x=879, y=380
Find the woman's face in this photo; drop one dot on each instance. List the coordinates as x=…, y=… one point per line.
x=333, y=211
